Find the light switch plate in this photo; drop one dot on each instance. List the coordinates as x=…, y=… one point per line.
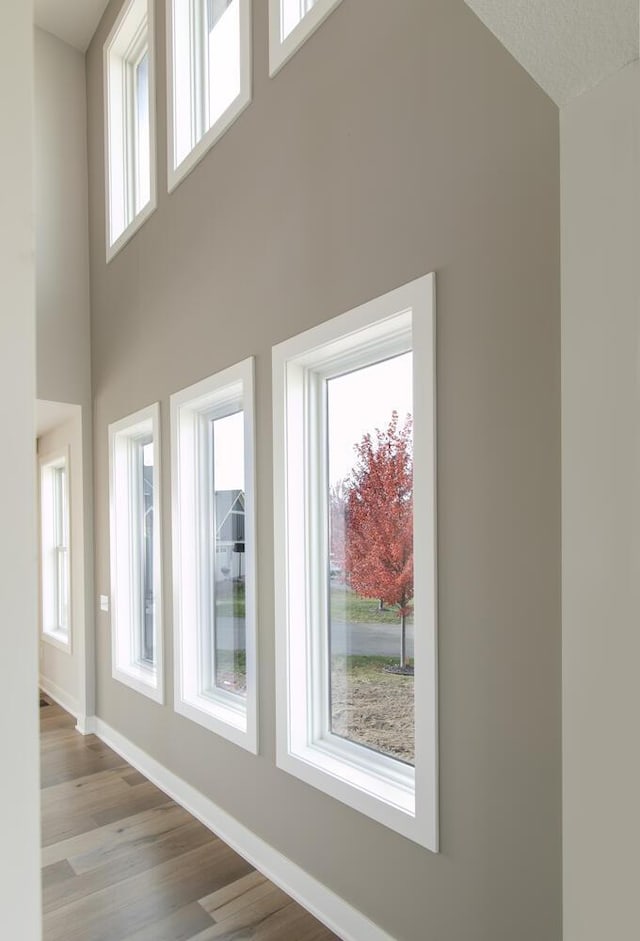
x=104, y=603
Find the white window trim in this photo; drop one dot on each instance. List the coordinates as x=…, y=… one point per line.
x=175, y=174
x=190, y=409
x=382, y=788
x=61, y=640
x=133, y=673
x=138, y=220
x=281, y=50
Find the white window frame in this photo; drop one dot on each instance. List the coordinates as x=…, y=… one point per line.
x=127, y=664
x=192, y=411
x=52, y=631
x=281, y=50
x=133, y=32
x=202, y=143
x=395, y=794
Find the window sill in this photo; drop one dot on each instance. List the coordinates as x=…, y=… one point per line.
x=142, y=680
x=130, y=231
x=216, y=131
x=227, y=720
x=58, y=639
x=389, y=802
x=281, y=50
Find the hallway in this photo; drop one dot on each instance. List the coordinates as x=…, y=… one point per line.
x=123, y=862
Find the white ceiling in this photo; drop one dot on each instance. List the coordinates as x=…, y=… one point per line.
x=51, y=414
x=74, y=21
x=567, y=46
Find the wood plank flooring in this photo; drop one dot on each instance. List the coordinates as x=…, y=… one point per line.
x=123, y=862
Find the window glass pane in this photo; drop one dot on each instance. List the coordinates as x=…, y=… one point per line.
x=223, y=54
x=291, y=13
x=61, y=524
x=370, y=578
x=147, y=647
x=229, y=645
x=142, y=134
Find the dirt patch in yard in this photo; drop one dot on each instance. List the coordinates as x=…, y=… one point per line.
x=372, y=707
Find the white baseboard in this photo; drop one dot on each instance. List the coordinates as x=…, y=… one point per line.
x=340, y=917
x=59, y=695
x=86, y=725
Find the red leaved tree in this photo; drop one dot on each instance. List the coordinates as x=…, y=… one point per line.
x=379, y=520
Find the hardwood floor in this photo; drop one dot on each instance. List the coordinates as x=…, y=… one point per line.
x=123, y=862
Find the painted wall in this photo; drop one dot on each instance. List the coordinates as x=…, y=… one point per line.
x=401, y=139
x=61, y=672
x=62, y=270
x=19, y=795
x=600, y=135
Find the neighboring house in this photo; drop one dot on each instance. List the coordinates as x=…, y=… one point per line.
x=229, y=523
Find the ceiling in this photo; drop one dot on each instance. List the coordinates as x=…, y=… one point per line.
x=74, y=21
x=567, y=46
x=51, y=414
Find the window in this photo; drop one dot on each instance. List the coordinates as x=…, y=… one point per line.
x=354, y=453
x=55, y=562
x=291, y=22
x=214, y=554
x=129, y=123
x=209, y=56
x=136, y=624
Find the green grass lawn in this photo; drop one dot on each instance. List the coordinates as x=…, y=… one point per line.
x=346, y=605
x=230, y=599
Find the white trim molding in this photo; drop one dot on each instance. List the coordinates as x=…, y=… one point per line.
x=191, y=128
x=85, y=725
x=194, y=412
x=332, y=910
x=56, y=579
x=136, y=661
x=285, y=40
x=130, y=40
x=398, y=795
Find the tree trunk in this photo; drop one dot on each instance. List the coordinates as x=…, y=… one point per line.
x=403, y=641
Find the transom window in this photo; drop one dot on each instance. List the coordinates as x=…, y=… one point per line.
x=130, y=124
x=214, y=554
x=135, y=552
x=354, y=467
x=291, y=22
x=209, y=76
x=55, y=536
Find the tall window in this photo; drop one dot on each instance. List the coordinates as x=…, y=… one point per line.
x=135, y=552
x=130, y=123
x=354, y=467
x=55, y=562
x=209, y=76
x=291, y=22
x=214, y=554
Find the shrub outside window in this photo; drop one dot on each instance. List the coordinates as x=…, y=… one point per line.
x=354, y=445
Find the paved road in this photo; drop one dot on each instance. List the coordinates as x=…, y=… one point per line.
x=380, y=640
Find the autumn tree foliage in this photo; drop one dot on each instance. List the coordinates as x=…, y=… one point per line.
x=338, y=498
x=379, y=520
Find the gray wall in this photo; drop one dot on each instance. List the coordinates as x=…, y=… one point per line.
x=19, y=782
x=62, y=277
x=401, y=139
x=600, y=135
